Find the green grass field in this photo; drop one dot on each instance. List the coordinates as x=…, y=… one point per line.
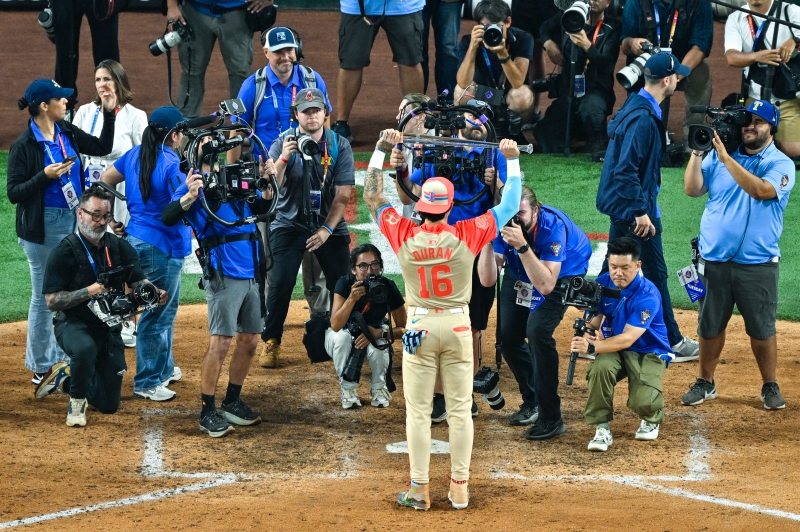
x=568, y=184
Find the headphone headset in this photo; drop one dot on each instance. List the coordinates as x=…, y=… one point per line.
x=297, y=38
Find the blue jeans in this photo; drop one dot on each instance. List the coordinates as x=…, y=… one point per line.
x=154, y=360
x=41, y=349
x=446, y=20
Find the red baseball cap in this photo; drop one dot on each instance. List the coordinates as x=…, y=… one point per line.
x=436, y=196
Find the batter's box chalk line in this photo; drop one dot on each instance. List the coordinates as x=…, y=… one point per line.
x=153, y=467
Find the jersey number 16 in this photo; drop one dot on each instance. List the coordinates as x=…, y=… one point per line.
x=442, y=287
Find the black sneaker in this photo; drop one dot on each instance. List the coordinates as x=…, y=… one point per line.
x=474, y=407
x=699, y=392
x=544, y=430
x=343, y=128
x=771, y=395
x=215, y=425
x=439, y=413
x=239, y=413
x=526, y=416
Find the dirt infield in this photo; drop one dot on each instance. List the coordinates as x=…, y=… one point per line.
x=26, y=54
x=312, y=465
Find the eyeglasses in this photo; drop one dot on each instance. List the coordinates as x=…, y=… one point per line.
x=98, y=216
x=373, y=265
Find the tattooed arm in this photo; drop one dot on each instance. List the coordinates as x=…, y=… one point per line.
x=373, y=181
x=63, y=300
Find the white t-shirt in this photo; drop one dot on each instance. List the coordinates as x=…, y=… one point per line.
x=738, y=36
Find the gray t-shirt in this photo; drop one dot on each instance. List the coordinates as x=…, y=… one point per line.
x=290, y=200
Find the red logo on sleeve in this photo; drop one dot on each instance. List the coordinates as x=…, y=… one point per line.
x=555, y=247
x=645, y=316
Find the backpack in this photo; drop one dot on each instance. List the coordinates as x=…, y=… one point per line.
x=261, y=85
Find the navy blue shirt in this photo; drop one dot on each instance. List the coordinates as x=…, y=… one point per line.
x=555, y=238
x=53, y=153
x=694, y=27
x=145, y=223
x=639, y=306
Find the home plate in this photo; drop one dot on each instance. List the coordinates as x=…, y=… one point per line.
x=401, y=447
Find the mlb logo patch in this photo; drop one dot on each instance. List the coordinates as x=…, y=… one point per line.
x=555, y=247
x=784, y=180
x=645, y=316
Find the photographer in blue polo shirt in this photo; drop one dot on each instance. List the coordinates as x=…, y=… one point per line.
x=747, y=193
x=541, y=246
x=632, y=343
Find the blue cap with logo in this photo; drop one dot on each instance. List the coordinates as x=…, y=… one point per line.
x=663, y=65
x=166, y=118
x=765, y=110
x=278, y=38
x=43, y=90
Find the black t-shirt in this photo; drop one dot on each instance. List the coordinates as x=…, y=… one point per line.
x=375, y=313
x=63, y=272
x=519, y=43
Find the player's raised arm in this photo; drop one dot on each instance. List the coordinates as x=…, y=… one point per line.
x=373, y=182
x=512, y=191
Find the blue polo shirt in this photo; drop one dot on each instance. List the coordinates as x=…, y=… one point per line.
x=145, y=223
x=379, y=7
x=53, y=195
x=205, y=6
x=467, y=187
x=273, y=113
x=238, y=258
x=555, y=238
x=639, y=306
x=735, y=226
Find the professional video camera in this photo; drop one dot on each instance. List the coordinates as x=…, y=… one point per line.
x=586, y=295
x=237, y=181
x=115, y=306
x=551, y=84
x=629, y=75
x=727, y=122
x=485, y=383
x=352, y=368
x=180, y=32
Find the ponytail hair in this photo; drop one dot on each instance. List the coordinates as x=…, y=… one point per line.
x=33, y=110
x=148, y=155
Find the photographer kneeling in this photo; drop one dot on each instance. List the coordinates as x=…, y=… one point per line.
x=364, y=298
x=596, y=47
x=633, y=343
x=72, y=278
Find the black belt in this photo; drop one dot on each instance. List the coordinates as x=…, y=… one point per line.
x=214, y=241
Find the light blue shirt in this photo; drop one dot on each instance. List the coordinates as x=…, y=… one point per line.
x=376, y=7
x=735, y=226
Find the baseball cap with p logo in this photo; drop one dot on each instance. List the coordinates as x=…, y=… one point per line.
x=436, y=196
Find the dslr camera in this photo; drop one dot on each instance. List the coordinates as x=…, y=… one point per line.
x=306, y=145
x=727, y=122
x=377, y=288
x=493, y=34
x=585, y=294
x=115, y=306
x=180, y=32
x=574, y=17
x=629, y=75
x=551, y=84
x=485, y=383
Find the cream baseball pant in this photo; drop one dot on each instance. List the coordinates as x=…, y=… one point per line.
x=446, y=349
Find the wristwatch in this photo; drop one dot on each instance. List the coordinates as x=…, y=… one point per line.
x=504, y=60
x=523, y=249
x=700, y=154
x=590, y=349
x=385, y=328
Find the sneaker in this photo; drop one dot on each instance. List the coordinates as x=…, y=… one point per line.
x=380, y=397
x=343, y=128
x=349, y=399
x=699, y=392
x=76, y=415
x=527, y=415
x=647, y=431
x=771, y=395
x=602, y=440
x=37, y=378
x=215, y=425
x=544, y=430
x=474, y=409
x=53, y=380
x=159, y=393
x=177, y=375
x=686, y=350
x=270, y=353
x=129, y=333
x=417, y=497
x=439, y=412
x=459, y=494
x=239, y=413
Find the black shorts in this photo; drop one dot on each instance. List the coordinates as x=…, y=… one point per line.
x=528, y=15
x=753, y=288
x=356, y=38
x=480, y=304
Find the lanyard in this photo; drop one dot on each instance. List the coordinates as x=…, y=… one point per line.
x=594, y=40
x=755, y=34
x=671, y=32
x=63, y=151
x=326, y=161
x=94, y=120
x=489, y=67
x=89, y=255
x=275, y=106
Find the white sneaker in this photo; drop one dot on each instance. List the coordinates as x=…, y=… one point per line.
x=380, y=397
x=686, y=350
x=647, y=431
x=129, y=333
x=159, y=393
x=350, y=399
x=602, y=440
x=175, y=377
x=76, y=415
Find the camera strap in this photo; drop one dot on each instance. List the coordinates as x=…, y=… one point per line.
x=358, y=317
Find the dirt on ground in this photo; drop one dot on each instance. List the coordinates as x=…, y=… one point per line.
x=312, y=465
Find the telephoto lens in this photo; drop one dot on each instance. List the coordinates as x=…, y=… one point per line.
x=307, y=145
x=574, y=18
x=46, y=22
x=485, y=383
